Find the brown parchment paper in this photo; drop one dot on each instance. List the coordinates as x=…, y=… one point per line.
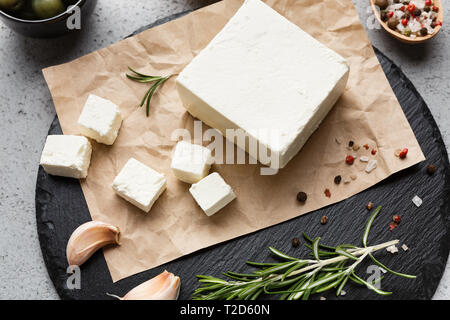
x=368, y=112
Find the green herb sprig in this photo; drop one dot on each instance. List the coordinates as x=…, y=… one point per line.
x=144, y=78
x=330, y=268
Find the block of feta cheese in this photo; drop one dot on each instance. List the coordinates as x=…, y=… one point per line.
x=67, y=156
x=266, y=76
x=139, y=184
x=191, y=162
x=100, y=120
x=212, y=193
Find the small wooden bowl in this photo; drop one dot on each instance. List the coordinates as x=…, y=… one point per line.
x=406, y=39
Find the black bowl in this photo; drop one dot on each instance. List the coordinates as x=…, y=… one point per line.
x=52, y=27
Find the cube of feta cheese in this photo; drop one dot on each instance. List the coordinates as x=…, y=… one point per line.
x=100, y=120
x=139, y=184
x=266, y=76
x=67, y=156
x=191, y=162
x=212, y=193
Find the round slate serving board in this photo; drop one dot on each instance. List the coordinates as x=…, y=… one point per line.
x=61, y=208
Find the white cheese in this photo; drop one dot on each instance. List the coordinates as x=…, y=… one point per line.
x=266, y=76
x=392, y=249
x=67, y=156
x=191, y=162
x=417, y=201
x=100, y=120
x=139, y=184
x=212, y=193
x=372, y=165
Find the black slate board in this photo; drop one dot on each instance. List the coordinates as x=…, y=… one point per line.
x=61, y=207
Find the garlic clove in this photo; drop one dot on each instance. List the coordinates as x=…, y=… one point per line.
x=88, y=238
x=165, y=286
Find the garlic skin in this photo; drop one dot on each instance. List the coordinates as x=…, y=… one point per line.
x=165, y=286
x=88, y=238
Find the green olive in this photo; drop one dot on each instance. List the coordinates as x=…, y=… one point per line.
x=48, y=8
x=12, y=5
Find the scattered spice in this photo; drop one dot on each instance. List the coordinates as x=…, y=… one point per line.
x=349, y=160
x=324, y=220
x=366, y=146
x=302, y=197
x=397, y=219
x=369, y=206
x=346, y=180
x=337, y=179
x=417, y=201
x=393, y=225
x=295, y=242
x=405, y=247
x=431, y=169
x=397, y=152
x=356, y=147
x=327, y=193
x=403, y=153
x=374, y=152
x=338, y=141
x=353, y=177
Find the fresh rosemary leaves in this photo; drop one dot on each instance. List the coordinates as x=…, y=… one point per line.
x=330, y=268
x=144, y=78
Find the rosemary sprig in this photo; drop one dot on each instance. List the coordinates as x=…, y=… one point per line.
x=330, y=269
x=156, y=81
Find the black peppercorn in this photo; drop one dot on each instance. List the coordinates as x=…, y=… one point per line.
x=337, y=179
x=423, y=32
x=301, y=197
x=295, y=242
x=431, y=169
x=351, y=143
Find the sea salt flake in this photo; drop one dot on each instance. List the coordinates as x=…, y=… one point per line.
x=343, y=293
x=392, y=249
x=371, y=166
x=323, y=298
x=417, y=201
x=364, y=159
x=405, y=247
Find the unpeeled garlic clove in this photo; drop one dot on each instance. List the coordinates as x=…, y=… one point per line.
x=88, y=238
x=165, y=286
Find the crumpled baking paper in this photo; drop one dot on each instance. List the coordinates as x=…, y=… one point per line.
x=368, y=112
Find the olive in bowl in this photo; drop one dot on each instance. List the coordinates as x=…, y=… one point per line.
x=43, y=18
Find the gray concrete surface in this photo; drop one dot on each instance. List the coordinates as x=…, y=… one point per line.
x=26, y=112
